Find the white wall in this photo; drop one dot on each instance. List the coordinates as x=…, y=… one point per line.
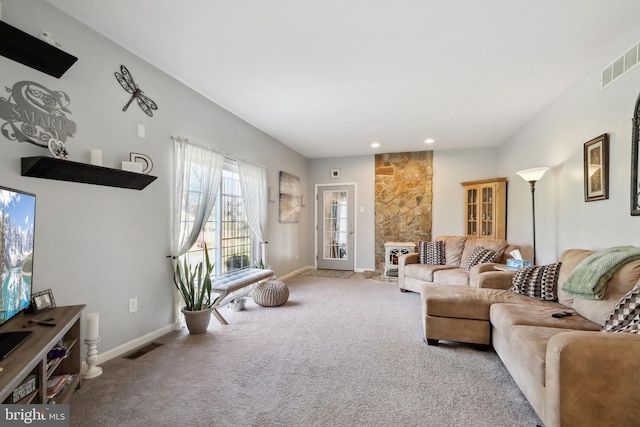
x=358, y=170
x=555, y=139
x=450, y=168
x=100, y=246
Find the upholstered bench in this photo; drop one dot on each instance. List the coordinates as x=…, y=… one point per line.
x=234, y=282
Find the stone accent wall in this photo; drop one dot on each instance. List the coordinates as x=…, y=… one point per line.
x=404, y=194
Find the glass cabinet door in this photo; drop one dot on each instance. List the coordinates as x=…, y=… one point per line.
x=485, y=208
x=472, y=212
x=487, y=211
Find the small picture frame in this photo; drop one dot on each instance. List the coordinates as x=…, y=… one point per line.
x=42, y=300
x=596, y=168
x=334, y=174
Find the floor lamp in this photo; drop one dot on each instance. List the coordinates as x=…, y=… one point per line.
x=532, y=176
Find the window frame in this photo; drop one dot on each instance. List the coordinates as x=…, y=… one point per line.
x=218, y=225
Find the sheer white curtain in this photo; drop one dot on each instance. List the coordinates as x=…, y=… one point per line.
x=197, y=177
x=198, y=172
x=253, y=183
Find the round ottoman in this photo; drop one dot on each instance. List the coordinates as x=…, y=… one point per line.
x=271, y=293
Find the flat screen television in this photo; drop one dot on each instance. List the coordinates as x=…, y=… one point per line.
x=17, y=237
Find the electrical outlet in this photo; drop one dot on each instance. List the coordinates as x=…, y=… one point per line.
x=133, y=305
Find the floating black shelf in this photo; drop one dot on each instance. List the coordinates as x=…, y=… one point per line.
x=33, y=52
x=65, y=170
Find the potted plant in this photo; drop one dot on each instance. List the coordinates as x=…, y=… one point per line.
x=194, y=285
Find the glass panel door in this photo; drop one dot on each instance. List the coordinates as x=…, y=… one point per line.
x=336, y=232
x=335, y=228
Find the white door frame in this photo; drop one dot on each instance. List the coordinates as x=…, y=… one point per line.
x=355, y=220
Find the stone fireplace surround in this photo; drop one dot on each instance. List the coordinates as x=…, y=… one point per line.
x=403, y=199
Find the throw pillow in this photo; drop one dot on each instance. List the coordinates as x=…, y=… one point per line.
x=625, y=317
x=538, y=281
x=480, y=255
x=431, y=253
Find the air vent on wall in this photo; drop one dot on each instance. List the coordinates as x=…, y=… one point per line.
x=620, y=66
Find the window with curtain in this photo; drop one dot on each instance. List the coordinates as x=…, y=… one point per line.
x=226, y=231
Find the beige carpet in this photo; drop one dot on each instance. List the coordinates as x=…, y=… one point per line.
x=336, y=274
x=341, y=352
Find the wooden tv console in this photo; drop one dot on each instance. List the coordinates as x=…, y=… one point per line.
x=30, y=357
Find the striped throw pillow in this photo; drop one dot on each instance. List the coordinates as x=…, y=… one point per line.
x=540, y=281
x=480, y=255
x=431, y=253
x=625, y=317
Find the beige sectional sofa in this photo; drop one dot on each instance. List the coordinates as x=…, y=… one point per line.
x=412, y=275
x=572, y=373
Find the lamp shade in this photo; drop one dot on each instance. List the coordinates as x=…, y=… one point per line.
x=533, y=174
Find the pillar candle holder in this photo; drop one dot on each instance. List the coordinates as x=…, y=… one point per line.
x=92, y=355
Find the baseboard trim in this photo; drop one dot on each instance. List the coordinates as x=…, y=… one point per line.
x=131, y=345
x=296, y=272
x=145, y=339
x=312, y=267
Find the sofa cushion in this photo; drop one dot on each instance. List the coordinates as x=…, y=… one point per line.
x=423, y=271
x=531, y=344
x=569, y=259
x=625, y=317
x=464, y=302
x=590, y=277
x=452, y=276
x=480, y=255
x=454, y=246
x=539, y=281
x=431, y=253
x=597, y=310
x=497, y=245
x=505, y=315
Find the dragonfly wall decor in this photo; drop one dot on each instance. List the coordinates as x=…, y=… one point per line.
x=126, y=81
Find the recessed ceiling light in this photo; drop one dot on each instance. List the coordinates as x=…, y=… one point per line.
x=429, y=141
x=375, y=145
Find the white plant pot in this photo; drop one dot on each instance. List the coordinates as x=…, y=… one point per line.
x=197, y=321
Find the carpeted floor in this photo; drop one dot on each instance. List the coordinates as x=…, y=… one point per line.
x=341, y=352
x=336, y=274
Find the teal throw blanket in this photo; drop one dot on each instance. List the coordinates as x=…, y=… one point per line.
x=589, y=279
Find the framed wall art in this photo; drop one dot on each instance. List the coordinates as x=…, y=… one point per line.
x=290, y=197
x=635, y=183
x=596, y=168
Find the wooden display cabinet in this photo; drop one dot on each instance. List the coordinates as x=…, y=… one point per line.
x=30, y=357
x=485, y=208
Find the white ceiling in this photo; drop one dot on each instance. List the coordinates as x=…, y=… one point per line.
x=329, y=77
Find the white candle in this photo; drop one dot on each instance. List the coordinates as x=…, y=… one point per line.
x=95, y=157
x=93, y=327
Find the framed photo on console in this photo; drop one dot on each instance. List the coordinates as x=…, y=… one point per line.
x=596, y=168
x=42, y=300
